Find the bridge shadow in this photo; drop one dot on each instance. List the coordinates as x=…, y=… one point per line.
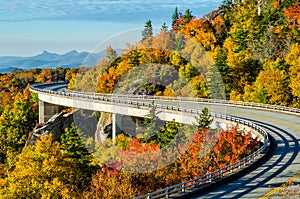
x=265, y=162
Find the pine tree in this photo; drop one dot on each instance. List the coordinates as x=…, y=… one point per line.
x=175, y=17
x=204, y=120
x=167, y=134
x=111, y=54
x=188, y=16
x=151, y=122
x=164, y=27
x=148, y=30
x=72, y=142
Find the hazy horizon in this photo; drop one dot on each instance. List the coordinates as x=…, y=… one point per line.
x=30, y=27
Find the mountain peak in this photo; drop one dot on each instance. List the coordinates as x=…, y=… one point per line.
x=46, y=55
x=45, y=52
x=71, y=53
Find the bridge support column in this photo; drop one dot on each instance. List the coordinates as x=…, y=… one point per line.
x=114, y=126
x=122, y=123
x=46, y=111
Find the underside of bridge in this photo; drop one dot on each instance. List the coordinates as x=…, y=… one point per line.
x=119, y=122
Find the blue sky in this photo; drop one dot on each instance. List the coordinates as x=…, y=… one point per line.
x=30, y=26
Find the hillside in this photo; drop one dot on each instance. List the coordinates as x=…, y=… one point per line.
x=246, y=50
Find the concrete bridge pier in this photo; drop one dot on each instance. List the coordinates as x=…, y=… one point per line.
x=123, y=123
x=46, y=111
x=114, y=126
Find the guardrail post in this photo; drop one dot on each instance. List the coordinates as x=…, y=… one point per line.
x=182, y=188
x=167, y=193
x=197, y=182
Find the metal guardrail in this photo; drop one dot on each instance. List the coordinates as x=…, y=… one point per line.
x=200, y=181
x=100, y=96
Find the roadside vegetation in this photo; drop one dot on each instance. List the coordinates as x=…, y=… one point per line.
x=244, y=51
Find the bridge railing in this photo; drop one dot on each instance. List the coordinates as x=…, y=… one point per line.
x=100, y=96
x=201, y=181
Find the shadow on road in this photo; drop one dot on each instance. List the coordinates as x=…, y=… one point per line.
x=291, y=146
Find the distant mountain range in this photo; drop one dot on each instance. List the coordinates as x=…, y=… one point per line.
x=46, y=59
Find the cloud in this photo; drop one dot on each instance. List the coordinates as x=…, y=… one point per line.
x=109, y=10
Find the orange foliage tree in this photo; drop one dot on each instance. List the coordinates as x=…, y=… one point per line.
x=201, y=31
x=292, y=15
x=211, y=150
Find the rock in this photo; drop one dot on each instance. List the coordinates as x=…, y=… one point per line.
x=55, y=125
x=124, y=124
x=211, y=16
x=88, y=123
x=104, y=127
x=83, y=119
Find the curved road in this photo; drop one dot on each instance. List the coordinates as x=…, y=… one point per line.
x=283, y=165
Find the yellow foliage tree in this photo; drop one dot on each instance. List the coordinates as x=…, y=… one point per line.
x=293, y=59
x=274, y=83
x=199, y=87
x=41, y=171
x=243, y=28
x=106, y=184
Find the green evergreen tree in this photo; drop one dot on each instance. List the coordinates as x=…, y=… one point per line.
x=175, y=17
x=179, y=42
x=164, y=27
x=224, y=70
x=188, y=16
x=167, y=134
x=204, y=120
x=73, y=142
x=111, y=54
x=148, y=30
x=151, y=123
x=215, y=83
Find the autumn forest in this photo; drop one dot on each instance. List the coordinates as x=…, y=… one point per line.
x=244, y=50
